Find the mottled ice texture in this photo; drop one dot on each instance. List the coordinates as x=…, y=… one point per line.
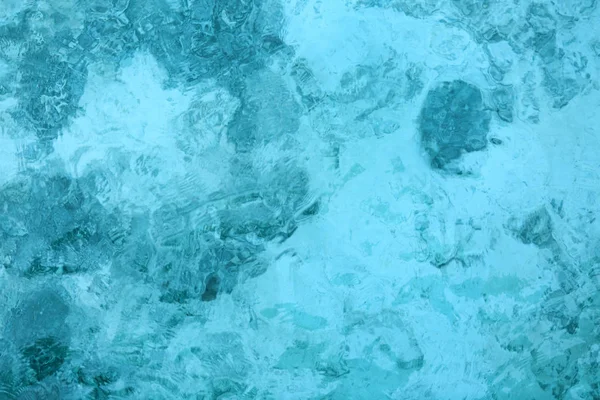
x=453, y=121
x=299, y=199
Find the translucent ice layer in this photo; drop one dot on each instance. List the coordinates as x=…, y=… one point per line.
x=299, y=199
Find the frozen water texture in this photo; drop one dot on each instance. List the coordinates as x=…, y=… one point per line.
x=453, y=121
x=299, y=199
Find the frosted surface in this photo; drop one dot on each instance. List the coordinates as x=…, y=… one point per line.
x=300, y=199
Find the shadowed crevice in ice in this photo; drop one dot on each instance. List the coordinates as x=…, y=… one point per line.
x=45, y=356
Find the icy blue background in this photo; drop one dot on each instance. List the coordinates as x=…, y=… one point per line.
x=299, y=199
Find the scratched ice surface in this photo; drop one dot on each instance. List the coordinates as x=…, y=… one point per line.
x=300, y=199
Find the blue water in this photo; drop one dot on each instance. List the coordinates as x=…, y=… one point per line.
x=299, y=199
